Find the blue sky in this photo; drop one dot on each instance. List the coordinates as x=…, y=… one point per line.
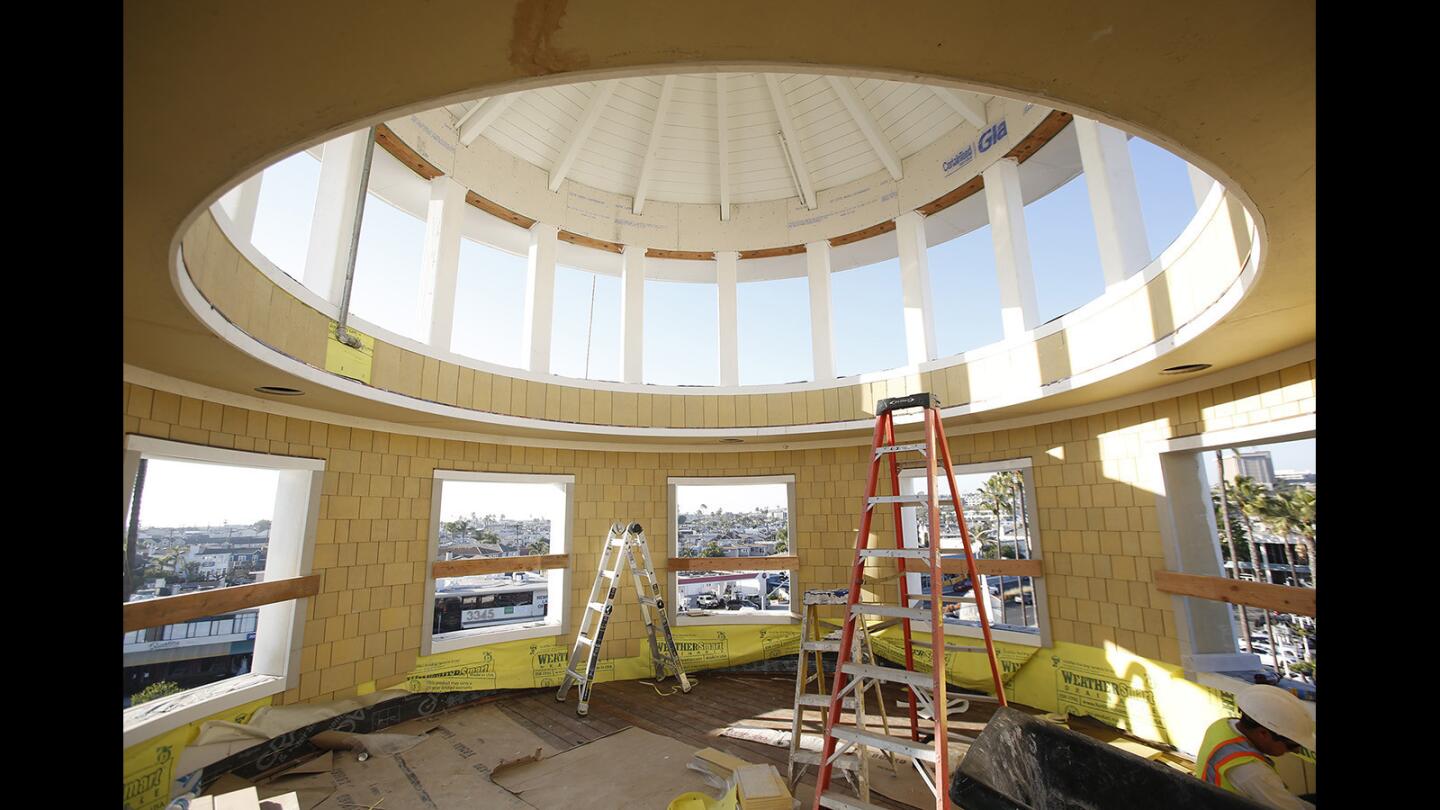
x=681, y=338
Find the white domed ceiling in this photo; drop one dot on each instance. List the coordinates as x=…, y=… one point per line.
x=717, y=138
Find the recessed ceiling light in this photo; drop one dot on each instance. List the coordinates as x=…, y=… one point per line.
x=279, y=390
x=1187, y=368
x=731, y=441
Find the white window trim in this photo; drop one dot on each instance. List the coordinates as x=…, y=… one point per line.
x=275, y=662
x=1042, y=602
x=680, y=619
x=1182, y=521
x=556, y=621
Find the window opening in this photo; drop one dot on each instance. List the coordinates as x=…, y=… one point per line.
x=1265, y=532
x=732, y=519
x=492, y=517
x=998, y=507
x=196, y=527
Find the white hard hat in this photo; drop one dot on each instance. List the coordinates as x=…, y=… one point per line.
x=1278, y=711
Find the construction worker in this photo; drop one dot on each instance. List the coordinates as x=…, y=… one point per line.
x=1237, y=753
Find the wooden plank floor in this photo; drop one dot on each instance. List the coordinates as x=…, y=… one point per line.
x=699, y=718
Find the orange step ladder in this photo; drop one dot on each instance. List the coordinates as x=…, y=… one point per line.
x=925, y=690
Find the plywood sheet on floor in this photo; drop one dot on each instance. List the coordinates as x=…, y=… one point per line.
x=481, y=735
x=424, y=778
x=632, y=768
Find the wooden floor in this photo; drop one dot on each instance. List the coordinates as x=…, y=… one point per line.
x=699, y=718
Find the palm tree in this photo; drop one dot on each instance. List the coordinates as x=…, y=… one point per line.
x=1230, y=541
x=1304, y=505
x=996, y=494
x=1279, y=512
x=1249, y=495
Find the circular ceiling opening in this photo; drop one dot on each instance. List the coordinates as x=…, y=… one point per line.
x=279, y=391
x=1187, y=368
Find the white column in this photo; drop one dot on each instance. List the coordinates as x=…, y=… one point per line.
x=725, y=266
x=1114, y=200
x=915, y=288
x=822, y=330
x=440, y=262
x=241, y=203
x=340, y=167
x=539, y=297
x=1200, y=184
x=1018, y=311
x=632, y=314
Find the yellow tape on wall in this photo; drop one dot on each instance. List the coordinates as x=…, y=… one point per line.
x=535, y=663
x=149, y=767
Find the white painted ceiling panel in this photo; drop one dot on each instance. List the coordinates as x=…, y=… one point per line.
x=539, y=124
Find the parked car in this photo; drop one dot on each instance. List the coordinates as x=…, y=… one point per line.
x=707, y=601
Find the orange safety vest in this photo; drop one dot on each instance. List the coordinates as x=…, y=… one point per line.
x=1223, y=749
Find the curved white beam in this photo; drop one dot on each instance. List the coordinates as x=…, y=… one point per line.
x=481, y=116
x=582, y=131
x=867, y=124
x=969, y=110
x=722, y=133
x=792, y=141
x=667, y=90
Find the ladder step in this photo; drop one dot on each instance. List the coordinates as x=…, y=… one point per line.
x=823, y=702
x=577, y=676
x=846, y=762
x=913, y=553
x=871, y=609
x=586, y=640
x=907, y=500
x=597, y=606
x=837, y=802
x=900, y=448
x=880, y=673
x=898, y=745
x=614, y=543
x=821, y=646
x=610, y=574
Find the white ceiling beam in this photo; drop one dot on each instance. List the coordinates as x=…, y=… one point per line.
x=792, y=141
x=667, y=89
x=867, y=124
x=968, y=109
x=722, y=131
x=481, y=116
x=572, y=149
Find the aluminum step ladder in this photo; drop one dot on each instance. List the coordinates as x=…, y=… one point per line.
x=622, y=548
x=924, y=689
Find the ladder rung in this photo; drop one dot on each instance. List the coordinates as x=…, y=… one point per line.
x=913, y=553
x=823, y=702
x=572, y=673
x=821, y=646
x=907, y=500
x=645, y=600
x=836, y=802
x=898, y=745
x=597, y=606
x=848, y=762
x=614, y=543
x=586, y=640
x=900, y=448
x=880, y=673
x=871, y=609
x=610, y=574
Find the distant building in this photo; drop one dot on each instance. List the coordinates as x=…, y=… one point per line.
x=1256, y=466
x=1295, y=478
